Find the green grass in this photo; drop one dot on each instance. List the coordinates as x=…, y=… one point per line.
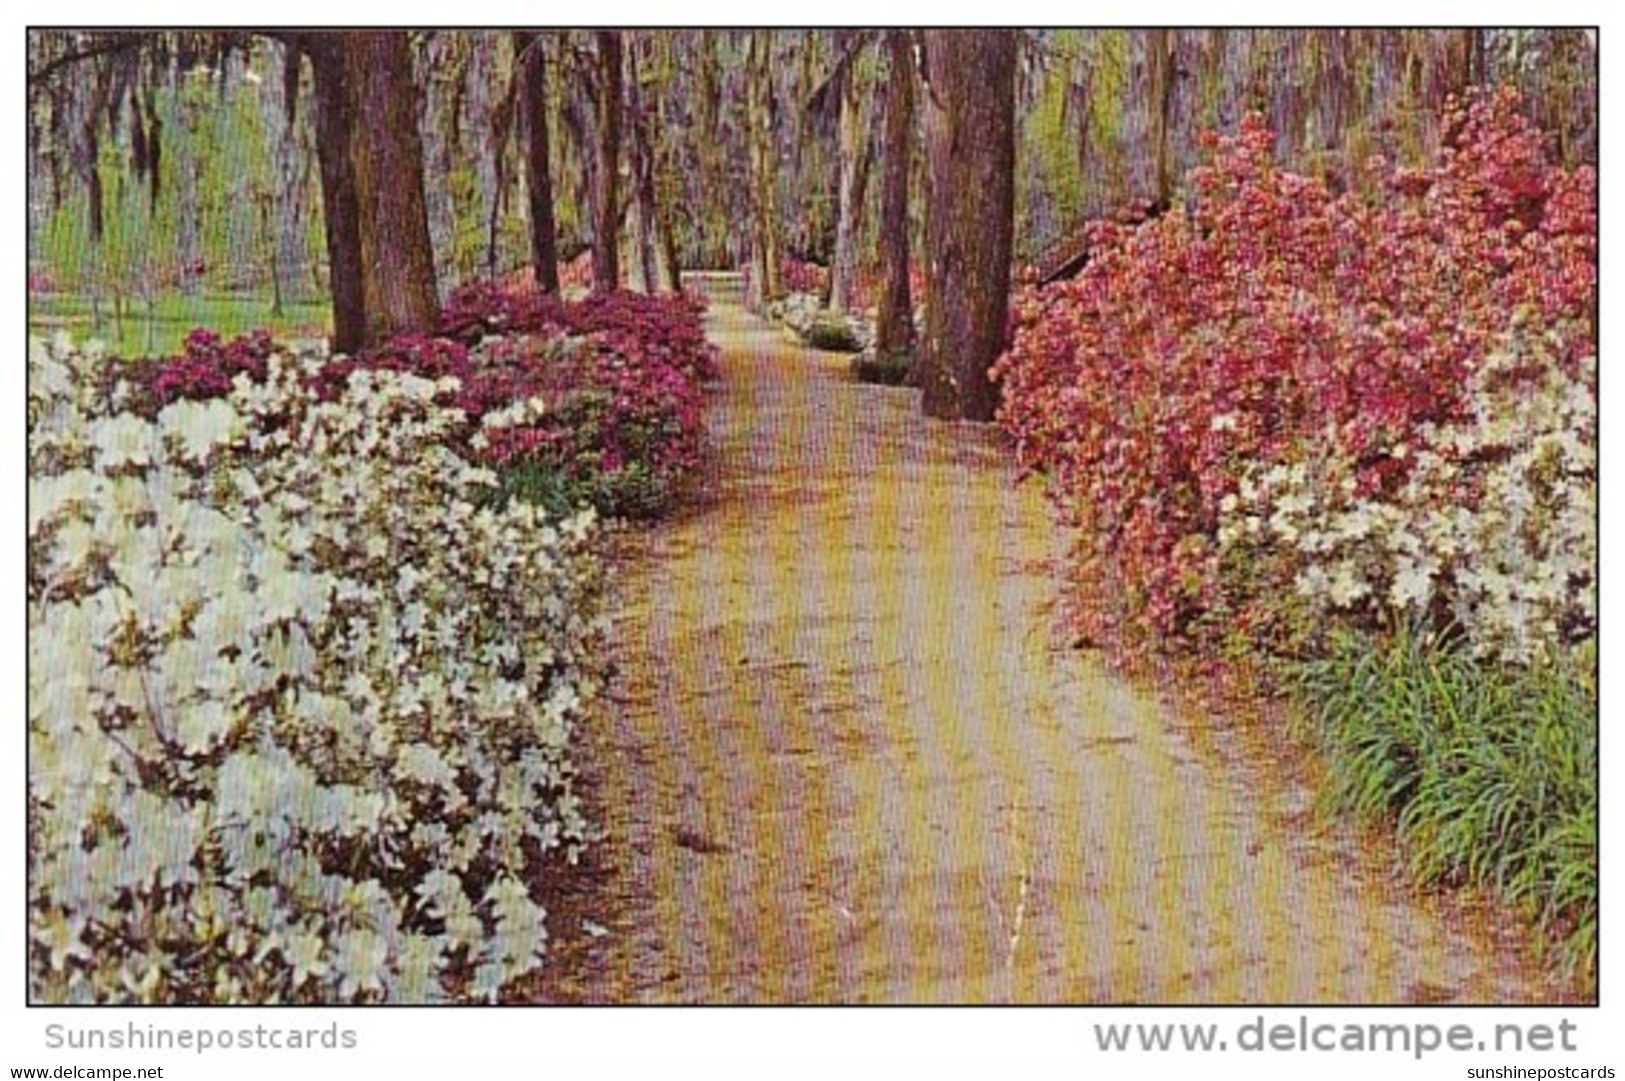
x=173, y=316
x=1488, y=771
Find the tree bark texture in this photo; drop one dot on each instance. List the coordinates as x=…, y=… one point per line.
x=854, y=143
x=894, y=323
x=371, y=159
x=341, y=213
x=764, y=227
x=970, y=164
x=387, y=156
x=606, y=267
x=531, y=55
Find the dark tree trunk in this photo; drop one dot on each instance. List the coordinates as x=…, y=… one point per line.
x=396, y=253
x=544, y=250
x=894, y=323
x=970, y=148
x=341, y=214
x=1160, y=56
x=643, y=175
x=606, y=271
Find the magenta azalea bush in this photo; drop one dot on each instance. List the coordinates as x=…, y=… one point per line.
x=204, y=370
x=620, y=375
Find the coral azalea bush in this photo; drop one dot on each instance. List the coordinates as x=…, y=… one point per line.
x=1271, y=326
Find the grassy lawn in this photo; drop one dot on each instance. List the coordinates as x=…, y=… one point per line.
x=172, y=317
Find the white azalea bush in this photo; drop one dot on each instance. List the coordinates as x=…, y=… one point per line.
x=302, y=693
x=1492, y=534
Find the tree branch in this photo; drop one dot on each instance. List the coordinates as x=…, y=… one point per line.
x=118, y=43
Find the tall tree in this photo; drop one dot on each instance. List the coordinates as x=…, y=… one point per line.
x=894, y=323
x=606, y=272
x=341, y=206
x=531, y=56
x=970, y=146
x=291, y=187
x=853, y=146
x=764, y=230
x=667, y=198
x=397, y=258
x=1160, y=61
x=643, y=122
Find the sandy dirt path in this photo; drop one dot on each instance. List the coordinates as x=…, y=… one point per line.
x=853, y=760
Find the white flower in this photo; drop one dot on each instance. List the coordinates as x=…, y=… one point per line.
x=123, y=440
x=1347, y=585
x=200, y=427
x=1413, y=584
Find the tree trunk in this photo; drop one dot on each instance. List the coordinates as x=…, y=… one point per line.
x=1160, y=57
x=764, y=235
x=643, y=174
x=383, y=278
x=279, y=102
x=970, y=158
x=544, y=249
x=671, y=263
x=341, y=213
x=500, y=120
x=397, y=257
x=606, y=271
x=854, y=169
x=894, y=324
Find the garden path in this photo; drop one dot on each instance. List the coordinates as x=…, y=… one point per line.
x=853, y=760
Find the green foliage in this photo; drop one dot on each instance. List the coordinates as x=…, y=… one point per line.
x=833, y=333
x=159, y=328
x=889, y=370
x=1488, y=771
x=209, y=222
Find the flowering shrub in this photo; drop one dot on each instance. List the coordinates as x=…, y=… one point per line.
x=663, y=331
x=204, y=370
x=302, y=693
x=666, y=327
x=1273, y=323
x=621, y=374
x=621, y=429
x=799, y=276
x=1492, y=532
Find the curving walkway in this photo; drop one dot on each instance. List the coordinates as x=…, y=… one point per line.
x=853, y=762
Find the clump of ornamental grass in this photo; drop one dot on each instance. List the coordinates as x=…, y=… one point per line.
x=1487, y=771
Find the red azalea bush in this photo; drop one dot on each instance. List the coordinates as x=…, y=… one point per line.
x=667, y=329
x=621, y=428
x=1271, y=319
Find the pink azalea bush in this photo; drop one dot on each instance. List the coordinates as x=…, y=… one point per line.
x=1269, y=322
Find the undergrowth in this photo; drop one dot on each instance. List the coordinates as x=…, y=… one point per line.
x=1487, y=771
